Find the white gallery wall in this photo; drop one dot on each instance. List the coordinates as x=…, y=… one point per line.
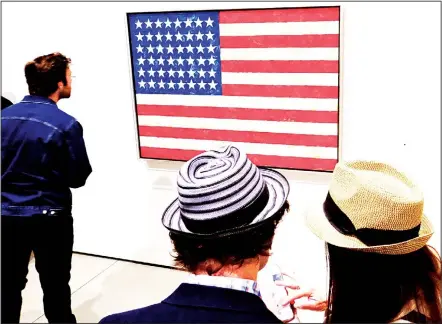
x=390, y=110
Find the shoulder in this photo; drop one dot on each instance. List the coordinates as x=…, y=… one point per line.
x=140, y=315
x=52, y=117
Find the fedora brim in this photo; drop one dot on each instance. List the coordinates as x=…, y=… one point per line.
x=278, y=187
x=319, y=225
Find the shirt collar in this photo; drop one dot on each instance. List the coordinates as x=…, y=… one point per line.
x=38, y=99
x=240, y=284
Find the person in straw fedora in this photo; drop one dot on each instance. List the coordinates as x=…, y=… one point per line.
x=380, y=267
x=222, y=226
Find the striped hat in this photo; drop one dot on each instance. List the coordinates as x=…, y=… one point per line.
x=221, y=192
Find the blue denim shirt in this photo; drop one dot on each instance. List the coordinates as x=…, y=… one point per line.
x=43, y=156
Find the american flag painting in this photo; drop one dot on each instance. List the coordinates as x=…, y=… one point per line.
x=266, y=80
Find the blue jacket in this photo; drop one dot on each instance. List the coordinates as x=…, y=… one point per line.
x=43, y=156
x=201, y=304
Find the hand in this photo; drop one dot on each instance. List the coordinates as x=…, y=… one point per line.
x=311, y=299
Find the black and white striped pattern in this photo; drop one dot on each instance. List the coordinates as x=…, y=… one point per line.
x=220, y=183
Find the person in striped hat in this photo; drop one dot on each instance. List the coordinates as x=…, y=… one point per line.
x=222, y=226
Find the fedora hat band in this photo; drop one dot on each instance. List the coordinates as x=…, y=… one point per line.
x=236, y=219
x=369, y=236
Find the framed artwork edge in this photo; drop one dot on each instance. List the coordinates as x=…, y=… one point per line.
x=171, y=164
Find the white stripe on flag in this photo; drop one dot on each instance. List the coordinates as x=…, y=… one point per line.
x=240, y=125
x=239, y=102
x=250, y=148
x=280, y=54
x=303, y=79
x=285, y=28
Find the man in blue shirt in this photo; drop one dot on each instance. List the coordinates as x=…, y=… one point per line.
x=43, y=156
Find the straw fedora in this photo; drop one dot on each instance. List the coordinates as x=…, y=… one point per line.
x=371, y=207
x=221, y=192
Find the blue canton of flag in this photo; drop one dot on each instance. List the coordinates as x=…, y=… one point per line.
x=176, y=53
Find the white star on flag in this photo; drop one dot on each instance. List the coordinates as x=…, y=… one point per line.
x=150, y=49
x=161, y=72
x=151, y=72
x=139, y=49
x=191, y=84
x=152, y=83
x=161, y=84
x=201, y=60
x=139, y=37
x=141, y=61
x=213, y=85
x=209, y=22
x=209, y=35
x=171, y=72
x=158, y=23
x=139, y=24
x=180, y=61
x=202, y=84
x=180, y=49
x=161, y=61
x=148, y=23
x=171, y=84
x=142, y=84
x=177, y=23
x=170, y=60
x=211, y=49
x=160, y=48
x=149, y=36
x=181, y=85
x=170, y=49
x=188, y=22
x=202, y=73
x=159, y=36
x=212, y=60
x=198, y=22
x=200, y=48
x=178, y=36
x=189, y=48
x=169, y=36
x=141, y=72
x=181, y=73
x=191, y=73
x=189, y=36
x=151, y=60
x=168, y=23
x=199, y=36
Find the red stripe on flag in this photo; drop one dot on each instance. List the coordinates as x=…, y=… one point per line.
x=280, y=66
x=279, y=41
x=260, y=160
x=240, y=136
x=249, y=90
x=302, y=116
x=279, y=15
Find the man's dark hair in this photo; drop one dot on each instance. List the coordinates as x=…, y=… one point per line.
x=234, y=249
x=43, y=74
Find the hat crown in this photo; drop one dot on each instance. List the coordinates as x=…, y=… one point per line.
x=218, y=182
x=377, y=196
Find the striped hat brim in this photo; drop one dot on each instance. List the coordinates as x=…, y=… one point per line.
x=278, y=188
